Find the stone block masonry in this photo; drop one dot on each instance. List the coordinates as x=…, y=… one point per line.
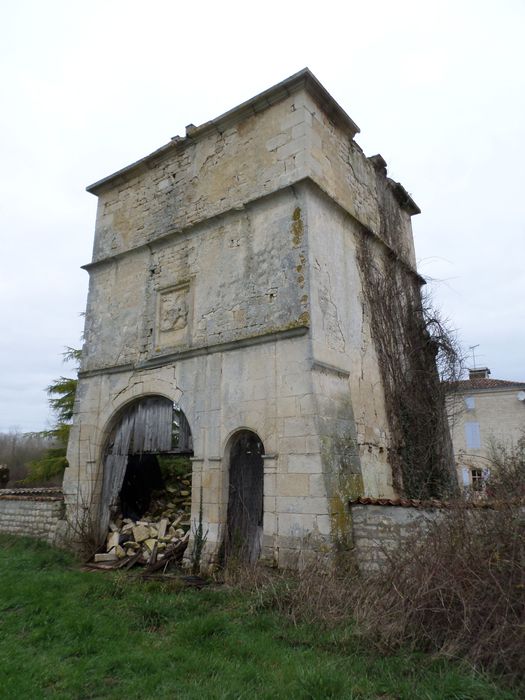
x=380, y=525
x=34, y=513
x=226, y=279
x=379, y=529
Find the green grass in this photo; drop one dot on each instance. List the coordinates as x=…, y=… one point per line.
x=66, y=633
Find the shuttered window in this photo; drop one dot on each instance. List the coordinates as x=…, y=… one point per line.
x=470, y=403
x=472, y=436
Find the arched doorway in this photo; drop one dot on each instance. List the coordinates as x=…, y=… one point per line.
x=244, y=527
x=144, y=432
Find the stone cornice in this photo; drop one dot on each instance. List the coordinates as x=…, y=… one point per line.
x=177, y=356
x=331, y=369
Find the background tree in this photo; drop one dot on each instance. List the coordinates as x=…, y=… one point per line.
x=17, y=449
x=61, y=394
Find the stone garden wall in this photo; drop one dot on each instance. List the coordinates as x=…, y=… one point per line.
x=380, y=525
x=32, y=512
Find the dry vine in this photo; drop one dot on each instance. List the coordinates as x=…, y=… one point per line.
x=418, y=358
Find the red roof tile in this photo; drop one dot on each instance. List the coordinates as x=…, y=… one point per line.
x=486, y=383
x=35, y=494
x=414, y=503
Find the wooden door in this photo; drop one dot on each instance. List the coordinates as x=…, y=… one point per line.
x=245, y=501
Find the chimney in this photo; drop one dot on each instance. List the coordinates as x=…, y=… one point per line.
x=479, y=373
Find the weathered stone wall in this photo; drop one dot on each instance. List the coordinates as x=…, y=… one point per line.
x=224, y=277
x=264, y=387
x=350, y=402
x=210, y=172
x=242, y=157
x=341, y=169
x=32, y=513
x=380, y=526
x=378, y=529
x=230, y=279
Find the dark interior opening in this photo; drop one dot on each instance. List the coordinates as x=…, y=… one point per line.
x=142, y=477
x=153, y=479
x=145, y=514
x=147, y=460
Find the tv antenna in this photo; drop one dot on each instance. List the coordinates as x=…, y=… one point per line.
x=473, y=348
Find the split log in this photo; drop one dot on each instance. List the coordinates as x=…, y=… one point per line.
x=172, y=553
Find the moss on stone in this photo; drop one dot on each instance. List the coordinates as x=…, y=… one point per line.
x=303, y=319
x=297, y=227
x=343, y=483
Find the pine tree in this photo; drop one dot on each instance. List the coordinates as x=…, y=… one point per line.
x=61, y=394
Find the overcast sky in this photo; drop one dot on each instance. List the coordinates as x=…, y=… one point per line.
x=438, y=88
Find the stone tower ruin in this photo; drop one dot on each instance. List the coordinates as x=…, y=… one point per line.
x=231, y=295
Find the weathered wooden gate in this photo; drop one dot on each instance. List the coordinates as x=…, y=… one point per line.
x=245, y=502
x=151, y=425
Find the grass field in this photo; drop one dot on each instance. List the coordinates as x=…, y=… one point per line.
x=66, y=633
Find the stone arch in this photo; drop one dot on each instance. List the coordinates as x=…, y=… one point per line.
x=244, y=523
x=145, y=426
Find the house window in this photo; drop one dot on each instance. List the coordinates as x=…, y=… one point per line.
x=477, y=479
x=472, y=436
x=470, y=403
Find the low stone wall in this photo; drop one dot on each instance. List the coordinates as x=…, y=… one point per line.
x=32, y=512
x=380, y=526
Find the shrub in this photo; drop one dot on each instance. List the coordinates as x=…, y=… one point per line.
x=507, y=474
x=459, y=591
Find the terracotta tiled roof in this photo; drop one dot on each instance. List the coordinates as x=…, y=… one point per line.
x=486, y=383
x=414, y=503
x=37, y=494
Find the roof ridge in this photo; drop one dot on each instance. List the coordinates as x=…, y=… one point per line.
x=486, y=382
x=433, y=503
